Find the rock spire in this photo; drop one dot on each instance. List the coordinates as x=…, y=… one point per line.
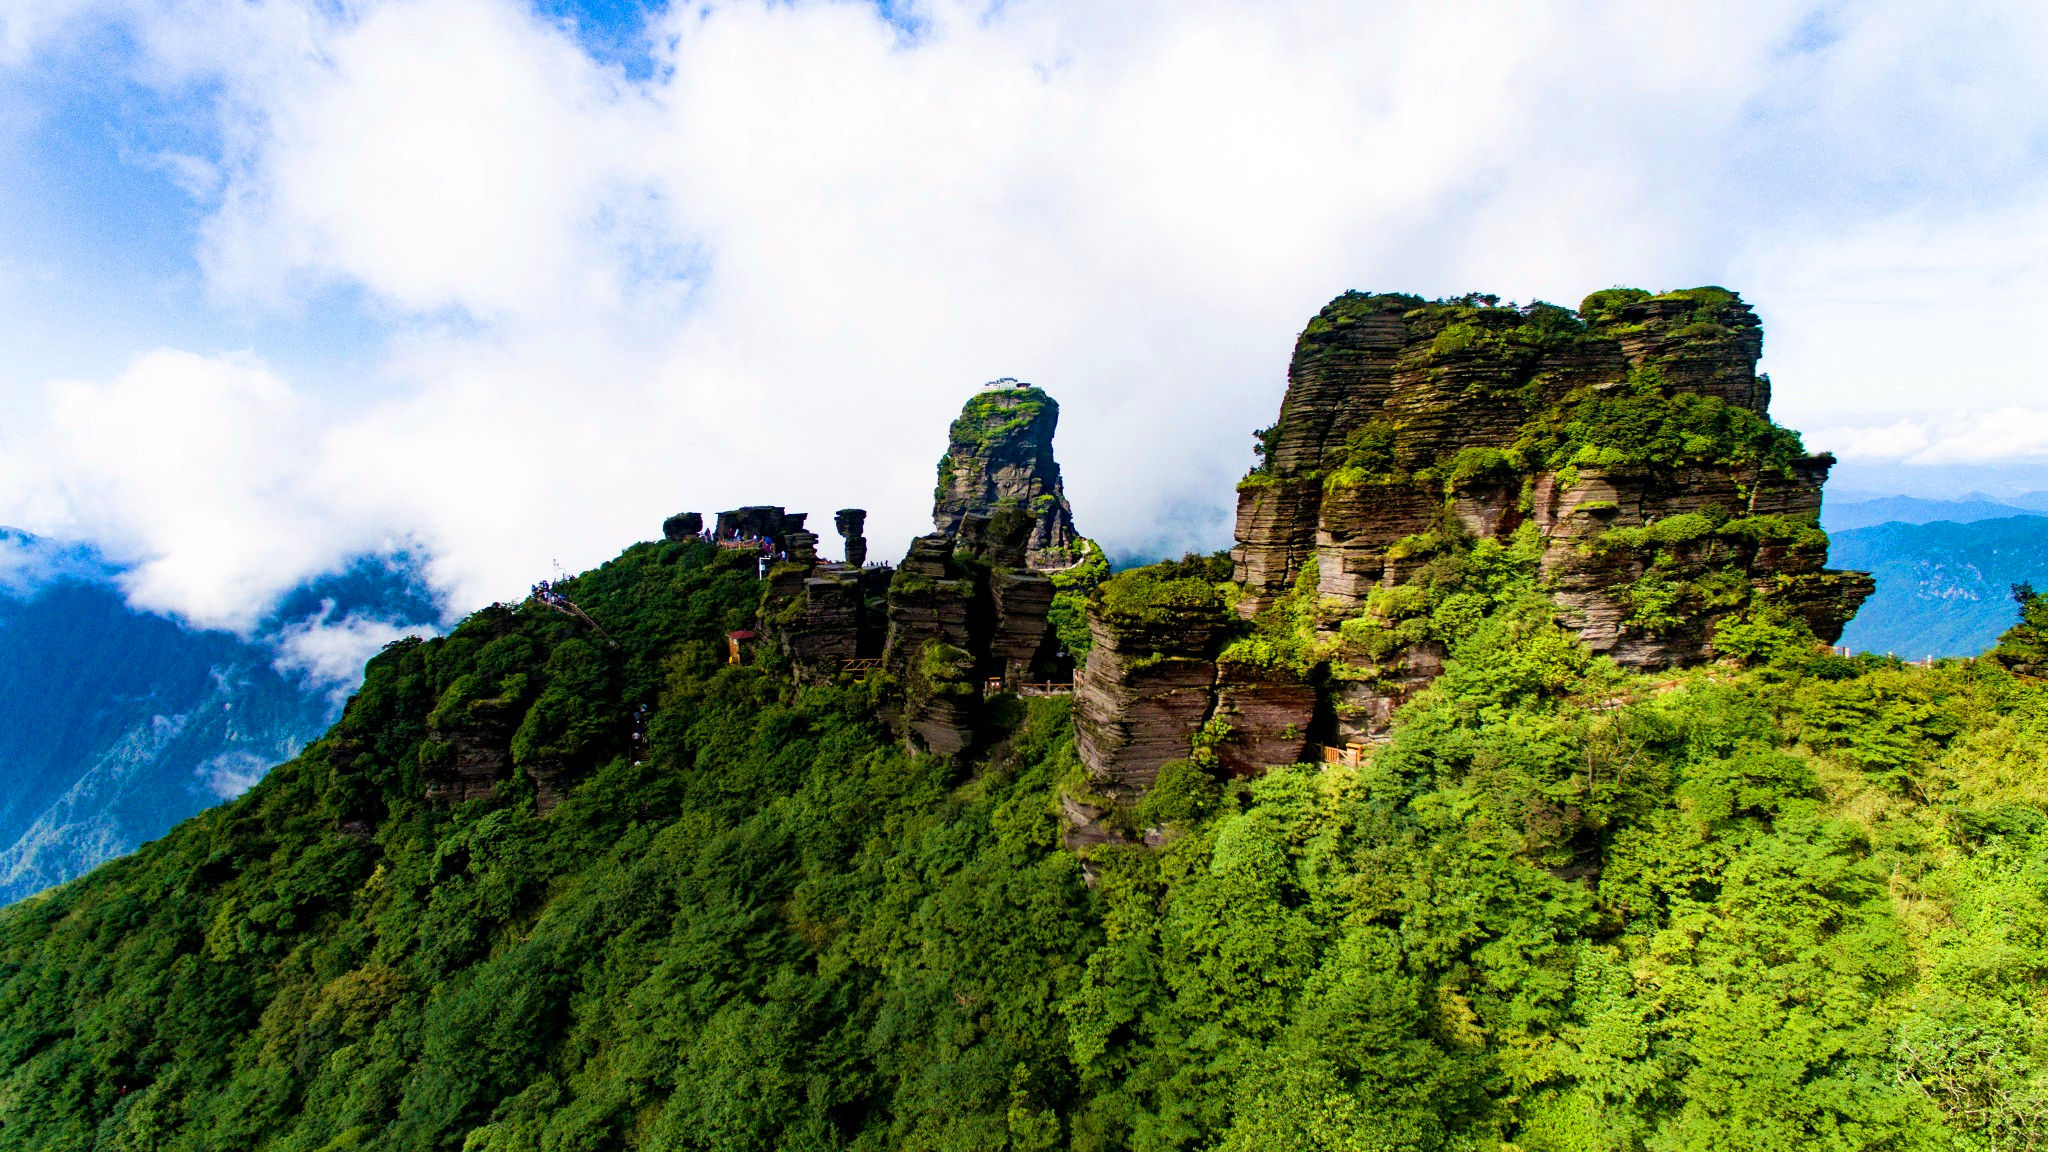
x=999, y=454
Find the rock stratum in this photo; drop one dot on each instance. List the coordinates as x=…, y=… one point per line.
x=1623, y=451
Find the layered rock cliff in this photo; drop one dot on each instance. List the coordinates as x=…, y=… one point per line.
x=965, y=612
x=968, y=609
x=1622, y=453
x=998, y=455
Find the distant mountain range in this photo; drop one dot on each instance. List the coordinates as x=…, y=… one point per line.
x=116, y=724
x=1944, y=588
x=1844, y=515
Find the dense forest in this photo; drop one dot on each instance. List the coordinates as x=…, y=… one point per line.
x=1795, y=900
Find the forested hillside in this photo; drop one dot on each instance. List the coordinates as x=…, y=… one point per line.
x=1802, y=903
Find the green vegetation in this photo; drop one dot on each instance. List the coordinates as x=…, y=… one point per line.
x=992, y=416
x=1071, y=589
x=1165, y=595
x=1603, y=309
x=1350, y=308
x=1687, y=580
x=1644, y=425
x=1458, y=584
x=941, y=670
x=1605, y=306
x=2024, y=647
x=1796, y=904
x=1369, y=457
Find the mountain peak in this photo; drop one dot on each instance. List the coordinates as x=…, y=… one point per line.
x=999, y=454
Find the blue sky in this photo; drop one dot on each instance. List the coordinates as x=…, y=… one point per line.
x=283, y=281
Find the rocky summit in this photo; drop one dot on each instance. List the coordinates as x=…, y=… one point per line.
x=999, y=454
x=971, y=610
x=1623, y=452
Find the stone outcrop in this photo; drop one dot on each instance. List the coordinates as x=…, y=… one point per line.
x=467, y=760
x=763, y=522
x=967, y=610
x=820, y=614
x=931, y=601
x=1402, y=416
x=1626, y=447
x=964, y=611
x=682, y=526
x=1148, y=685
x=999, y=455
x=1265, y=715
x=850, y=523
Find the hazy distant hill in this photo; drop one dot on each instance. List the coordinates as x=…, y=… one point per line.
x=1943, y=589
x=1842, y=517
x=116, y=724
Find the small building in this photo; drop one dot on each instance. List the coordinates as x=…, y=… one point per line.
x=733, y=640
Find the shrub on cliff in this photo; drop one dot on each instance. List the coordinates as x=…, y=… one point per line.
x=1645, y=424
x=1165, y=594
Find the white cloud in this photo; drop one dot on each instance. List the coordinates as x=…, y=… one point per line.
x=772, y=271
x=495, y=185
x=232, y=773
x=329, y=653
x=2000, y=434
x=196, y=472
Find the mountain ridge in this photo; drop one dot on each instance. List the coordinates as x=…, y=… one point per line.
x=712, y=883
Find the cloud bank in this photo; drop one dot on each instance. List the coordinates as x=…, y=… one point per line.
x=771, y=270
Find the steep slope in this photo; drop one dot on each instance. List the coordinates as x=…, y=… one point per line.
x=1567, y=907
x=1943, y=589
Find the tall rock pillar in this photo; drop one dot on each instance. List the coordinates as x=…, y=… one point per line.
x=998, y=455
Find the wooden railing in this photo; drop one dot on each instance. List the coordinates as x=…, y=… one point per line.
x=1046, y=688
x=1348, y=755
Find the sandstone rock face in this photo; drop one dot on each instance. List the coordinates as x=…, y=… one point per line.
x=999, y=454
x=1021, y=639
x=930, y=600
x=1143, y=694
x=467, y=758
x=820, y=614
x=1623, y=453
x=850, y=522
x=1402, y=418
x=1267, y=715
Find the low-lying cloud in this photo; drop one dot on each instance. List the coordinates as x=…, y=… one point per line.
x=772, y=270
x=2000, y=434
